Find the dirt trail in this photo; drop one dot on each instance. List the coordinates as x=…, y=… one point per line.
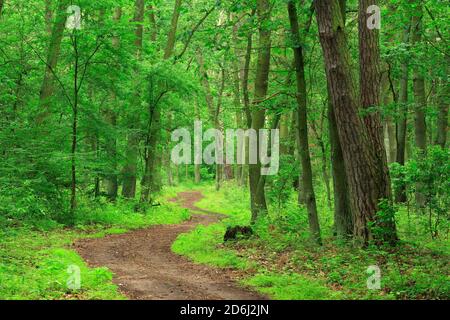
x=146, y=268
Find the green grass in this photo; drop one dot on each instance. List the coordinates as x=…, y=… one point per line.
x=202, y=244
x=34, y=259
x=282, y=262
x=278, y=261
x=291, y=286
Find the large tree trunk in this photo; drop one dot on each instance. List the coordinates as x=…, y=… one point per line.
x=343, y=218
x=360, y=162
x=130, y=169
x=258, y=198
x=302, y=126
x=47, y=86
x=370, y=92
x=420, y=99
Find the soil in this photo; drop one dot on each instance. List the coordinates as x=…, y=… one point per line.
x=145, y=268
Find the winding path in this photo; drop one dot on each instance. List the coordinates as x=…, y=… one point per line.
x=145, y=268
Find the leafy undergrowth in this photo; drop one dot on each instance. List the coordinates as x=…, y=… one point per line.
x=280, y=261
x=36, y=261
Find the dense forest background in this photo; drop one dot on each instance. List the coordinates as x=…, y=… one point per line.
x=87, y=109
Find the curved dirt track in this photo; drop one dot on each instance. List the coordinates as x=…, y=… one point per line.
x=146, y=268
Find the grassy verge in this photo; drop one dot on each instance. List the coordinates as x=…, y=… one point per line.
x=36, y=258
x=281, y=262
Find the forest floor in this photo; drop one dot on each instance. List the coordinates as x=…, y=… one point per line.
x=146, y=268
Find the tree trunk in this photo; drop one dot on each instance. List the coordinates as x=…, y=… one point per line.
x=153, y=24
x=360, y=162
x=150, y=155
x=130, y=170
x=213, y=111
x=442, y=121
x=237, y=99
x=343, y=219
x=302, y=126
x=258, y=199
x=47, y=86
x=48, y=16
x=246, y=101
x=111, y=180
x=419, y=85
x=402, y=128
x=173, y=30
x=420, y=103
x=151, y=173
x=389, y=125
x=370, y=92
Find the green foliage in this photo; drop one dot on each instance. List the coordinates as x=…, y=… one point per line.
x=33, y=265
x=429, y=175
x=34, y=258
x=284, y=264
x=202, y=246
x=291, y=287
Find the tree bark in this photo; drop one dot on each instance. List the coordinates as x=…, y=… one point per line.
x=389, y=125
x=153, y=24
x=258, y=199
x=173, y=30
x=302, y=126
x=370, y=92
x=442, y=121
x=360, y=162
x=47, y=87
x=130, y=169
x=419, y=84
x=237, y=98
x=246, y=101
x=343, y=219
x=420, y=102
x=111, y=180
x=401, y=128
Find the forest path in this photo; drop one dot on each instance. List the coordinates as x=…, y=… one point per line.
x=145, y=267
